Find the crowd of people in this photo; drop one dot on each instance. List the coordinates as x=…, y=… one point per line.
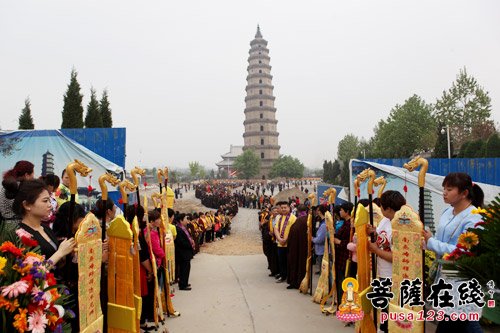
x=41, y=207
x=285, y=237
x=217, y=196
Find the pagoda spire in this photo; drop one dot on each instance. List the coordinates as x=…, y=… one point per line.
x=260, y=123
x=258, y=34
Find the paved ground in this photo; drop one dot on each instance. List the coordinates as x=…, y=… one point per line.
x=233, y=293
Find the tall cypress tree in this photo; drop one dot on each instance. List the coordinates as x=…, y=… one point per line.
x=93, y=118
x=493, y=146
x=72, y=113
x=105, y=111
x=25, y=119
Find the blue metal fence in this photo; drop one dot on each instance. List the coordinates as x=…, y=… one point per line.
x=109, y=143
x=482, y=170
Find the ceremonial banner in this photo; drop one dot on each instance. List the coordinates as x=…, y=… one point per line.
x=406, y=263
x=121, y=308
x=137, y=274
x=88, y=238
x=361, y=221
x=322, y=286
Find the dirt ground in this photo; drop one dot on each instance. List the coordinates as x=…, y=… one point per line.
x=245, y=237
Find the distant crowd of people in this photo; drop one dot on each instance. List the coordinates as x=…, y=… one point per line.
x=217, y=196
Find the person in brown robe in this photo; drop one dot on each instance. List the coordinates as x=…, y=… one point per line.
x=297, y=249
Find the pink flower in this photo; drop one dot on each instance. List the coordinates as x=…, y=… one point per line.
x=35, y=291
x=23, y=233
x=12, y=291
x=37, y=322
x=30, y=260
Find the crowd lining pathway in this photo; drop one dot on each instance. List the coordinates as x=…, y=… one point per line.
x=233, y=293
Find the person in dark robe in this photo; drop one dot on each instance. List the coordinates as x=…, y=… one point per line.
x=184, y=251
x=268, y=241
x=341, y=239
x=297, y=249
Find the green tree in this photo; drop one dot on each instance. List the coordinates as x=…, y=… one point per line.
x=463, y=149
x=212, y=174
x=474, y=149
x=349, y=147
x=441, y=147
x=326, y=171
x=202, y=174
x=72, y=113
x=194, y=169
x=247, y=164
x=336, y=172
x=344, y=177
x=365, y=148
x=287, y=166
x=493, y=146
x=105, y=110
x=25, y=119
x=464, y=106
x=483, y=131
x=409, y=128
x=93, y=118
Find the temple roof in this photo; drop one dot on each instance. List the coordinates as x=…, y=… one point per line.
x=234, y=152
x=225, y=163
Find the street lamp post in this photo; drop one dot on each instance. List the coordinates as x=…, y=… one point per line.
x=448, y=139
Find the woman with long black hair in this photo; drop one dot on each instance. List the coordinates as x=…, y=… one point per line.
x=32, y=203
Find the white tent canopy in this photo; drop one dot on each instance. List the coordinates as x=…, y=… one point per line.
x=50, y=151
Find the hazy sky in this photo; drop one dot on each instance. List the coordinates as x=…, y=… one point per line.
x=176, y=70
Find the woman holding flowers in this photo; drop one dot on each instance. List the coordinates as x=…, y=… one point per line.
x=30, y=299
x=463, y=196
x=32, y=202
